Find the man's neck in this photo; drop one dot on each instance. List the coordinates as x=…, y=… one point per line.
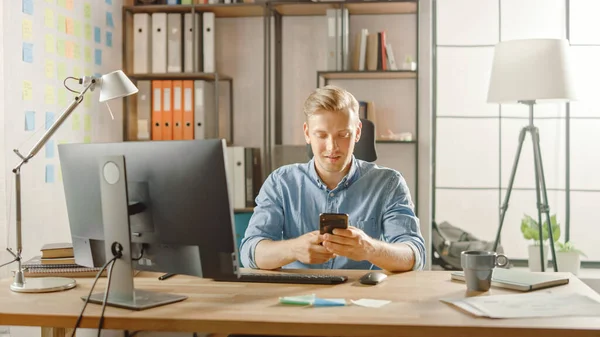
x=331, y=180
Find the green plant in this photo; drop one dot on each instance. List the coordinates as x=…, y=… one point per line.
x=530, y=229
x=569, y=247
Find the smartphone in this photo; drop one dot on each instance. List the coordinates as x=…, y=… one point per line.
x=329, y=221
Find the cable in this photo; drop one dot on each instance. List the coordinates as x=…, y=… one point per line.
x=141, y=255
x=90, y=294
x=66, y=86
x=110, y=269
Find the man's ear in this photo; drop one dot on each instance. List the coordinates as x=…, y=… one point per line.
x=306, y=137
x=358, y=130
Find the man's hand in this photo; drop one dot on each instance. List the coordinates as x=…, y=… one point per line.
x=352, y=243
x=307, y=249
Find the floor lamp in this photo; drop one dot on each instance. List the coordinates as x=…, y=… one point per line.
x=530, y=72
x=112, y=85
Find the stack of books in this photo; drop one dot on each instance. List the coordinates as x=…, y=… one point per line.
x=57, y=259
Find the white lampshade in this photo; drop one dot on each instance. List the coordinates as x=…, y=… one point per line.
x=531, y=70
x=115, y=85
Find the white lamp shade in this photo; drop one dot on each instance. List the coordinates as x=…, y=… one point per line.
x=116, y=85
x=531, y=70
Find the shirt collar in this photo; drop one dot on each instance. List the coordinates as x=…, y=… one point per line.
x=348, y=179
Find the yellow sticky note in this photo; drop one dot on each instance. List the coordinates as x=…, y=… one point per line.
x=87, y=122
x=69, y=4
x=78, y=28
x=87, y=72
x=50, y=68
x=61, y=70
x=62, y=3
x=88, y=55
x=60, y=47
x=77, y=71
x=50, y=44
x=69, y=49
x=61, y=25
x=88, y=32
x=62, y=98
x=27, y=91
x=69, y=26
x=76, y=122
x=49, y=95
x=62, y=141
x=49, y=18
x=27, y=30
x=87, y=101
x=87, y=11
x=87, y=139
x=76, y=51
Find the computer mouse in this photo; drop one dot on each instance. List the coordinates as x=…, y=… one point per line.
x=373, y=278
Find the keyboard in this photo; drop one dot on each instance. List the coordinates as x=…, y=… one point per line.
x=292, y=278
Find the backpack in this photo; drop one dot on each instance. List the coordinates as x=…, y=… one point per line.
x=449, y=241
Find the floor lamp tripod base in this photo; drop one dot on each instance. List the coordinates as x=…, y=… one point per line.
x=42, y=284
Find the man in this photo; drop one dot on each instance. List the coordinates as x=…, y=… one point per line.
x=383, y=231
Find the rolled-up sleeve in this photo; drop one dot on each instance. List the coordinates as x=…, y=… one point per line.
x=400, y=224
x=266, y=221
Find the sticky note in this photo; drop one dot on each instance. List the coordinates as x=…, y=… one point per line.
x=76, y=122
x=77, y=71
x=49, y=68
x=88, y=32
x=87, y=10
x=76, y=52
x=97, y=33
x=60, y=47
x=87, y=139
x=98, y=57
x=61, y=70
x=87, y=122
x=329, y=302
x=49, y=119
x=49, y=18
x=87, y=51
x=29, y=120
x=109, y=2
x=62, y=98
x=87, y=101
x=49, y=95
x=27, y=91
x=62, y=3
x=50, y=149
x=27, y=30
x=69, y=26
x=49, y=173
x=109, y=20
x=61, y=24
x=77, y=30
x=69, y=4
x=368, y=303
x=109, y=39
x=69, y=49
x=298, y=300
x=27, y=52
x=50, y=44
x=28, y=7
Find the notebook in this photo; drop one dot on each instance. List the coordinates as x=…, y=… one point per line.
x=521, y=280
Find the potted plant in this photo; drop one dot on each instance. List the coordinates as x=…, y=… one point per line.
x=530, y=230
x=568, y=257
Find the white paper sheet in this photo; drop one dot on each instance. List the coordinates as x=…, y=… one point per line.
x=543, y=304
x=368, y=303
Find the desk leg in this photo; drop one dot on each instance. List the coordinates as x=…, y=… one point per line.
x=56, y=332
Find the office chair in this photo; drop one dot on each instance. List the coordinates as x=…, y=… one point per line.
x=365, y=147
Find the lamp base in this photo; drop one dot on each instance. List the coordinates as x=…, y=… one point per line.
x=43, y=285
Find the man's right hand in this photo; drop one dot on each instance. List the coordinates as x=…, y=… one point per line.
x=308, y=249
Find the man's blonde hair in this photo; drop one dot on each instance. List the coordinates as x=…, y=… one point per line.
x=331, y=98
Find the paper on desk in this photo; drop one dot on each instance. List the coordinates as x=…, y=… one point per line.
x=368, y=303
x=543, y=304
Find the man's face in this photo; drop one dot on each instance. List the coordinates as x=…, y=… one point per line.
x=331, y=136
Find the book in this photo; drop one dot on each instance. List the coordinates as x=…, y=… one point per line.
x=521, y=280
x=57, y=250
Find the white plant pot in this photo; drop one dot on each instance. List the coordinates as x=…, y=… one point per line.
x=534, y=257
x=568, y=262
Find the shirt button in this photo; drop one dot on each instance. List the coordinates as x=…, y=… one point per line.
x=331, y=194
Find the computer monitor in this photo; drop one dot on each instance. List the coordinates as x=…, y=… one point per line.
x=179, y=189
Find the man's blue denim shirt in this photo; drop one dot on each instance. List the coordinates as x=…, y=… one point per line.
x=376, y=199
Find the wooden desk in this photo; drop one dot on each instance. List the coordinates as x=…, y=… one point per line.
x=254, y=309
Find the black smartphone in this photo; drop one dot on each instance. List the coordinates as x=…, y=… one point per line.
x=329, y=221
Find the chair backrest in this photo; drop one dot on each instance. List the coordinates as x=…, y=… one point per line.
x=365, y=147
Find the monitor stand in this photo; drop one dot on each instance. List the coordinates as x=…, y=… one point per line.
x=115, y=218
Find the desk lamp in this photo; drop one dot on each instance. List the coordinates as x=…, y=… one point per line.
x=112, y=85
x=530, y=72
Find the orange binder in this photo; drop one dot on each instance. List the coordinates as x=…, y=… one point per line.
x=177, y=110
x=156, y=110
x=188, y=109
x=167, y=113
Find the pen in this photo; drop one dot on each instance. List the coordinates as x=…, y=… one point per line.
x=165, y=276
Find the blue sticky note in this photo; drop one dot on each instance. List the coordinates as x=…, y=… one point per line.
x=49, y=119
x=28, y=7
x=173, y=2
x=50, y=149
x=329, y=302
x=109, y=39
x=98, y=57
x=29, y=120
x=109, y=2
x=97, y=75
x=50, y=173
x=109, y=19
x=27, y=52
x=97, y=35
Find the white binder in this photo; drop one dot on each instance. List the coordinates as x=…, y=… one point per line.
x=174, y=43
x=239, y=177
x=331, y=39
x=159, y=42
x=205, y=117
x=192, y=55
x=208, y=42
x=144, y=107
x=142, y=43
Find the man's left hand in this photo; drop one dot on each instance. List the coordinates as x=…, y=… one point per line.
x=352, y=243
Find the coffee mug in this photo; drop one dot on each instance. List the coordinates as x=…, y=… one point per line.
x=478, y=266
